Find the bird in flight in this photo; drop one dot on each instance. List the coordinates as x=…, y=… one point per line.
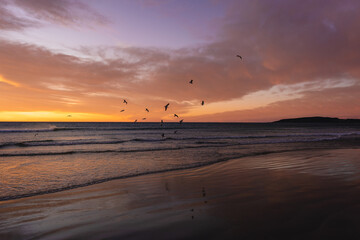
x=146, y=109
x=202, y=102
x=144, y=119
x=239, y=56
x=166, y=106
x=181, y=121
x=125, y=101
x=175, y=115
x=69, y=116
x=191, y=81
x=122, y=110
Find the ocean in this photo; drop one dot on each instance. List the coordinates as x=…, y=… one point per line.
x=40, y=158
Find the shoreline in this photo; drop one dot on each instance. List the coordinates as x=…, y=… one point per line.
x=189, y=167
x=232, y=198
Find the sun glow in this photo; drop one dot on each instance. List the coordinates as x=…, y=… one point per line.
x=263, y=98
x=12, y=83
x=44, y=116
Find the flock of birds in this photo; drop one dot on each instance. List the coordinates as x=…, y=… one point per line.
x=166, y=108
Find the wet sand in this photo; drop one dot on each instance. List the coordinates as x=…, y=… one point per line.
x=291, y=195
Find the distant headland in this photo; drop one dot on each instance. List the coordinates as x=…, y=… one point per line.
x=317, y=120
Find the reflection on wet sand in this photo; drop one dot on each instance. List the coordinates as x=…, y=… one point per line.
x=294, y=195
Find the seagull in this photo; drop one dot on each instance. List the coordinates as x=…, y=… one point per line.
x=175, y=115
x=181, y=121
x=146, y=109
x=125, y=101
x=239, y=56
x=122, y=110
x=166, y=106
x=191, y=81
x=202, y=102
x=144, y=119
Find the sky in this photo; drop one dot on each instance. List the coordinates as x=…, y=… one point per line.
x=76, y=60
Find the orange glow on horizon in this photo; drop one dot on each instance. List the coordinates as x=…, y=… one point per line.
x=44, y=116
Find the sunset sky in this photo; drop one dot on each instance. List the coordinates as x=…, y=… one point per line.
x=82, y=58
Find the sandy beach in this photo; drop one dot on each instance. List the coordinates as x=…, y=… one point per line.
x=291, y=195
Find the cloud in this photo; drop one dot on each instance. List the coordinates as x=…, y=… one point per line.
x=330, y=102
x=290, y=39
x=277, y=93
x=20, y=14
x=66, y=12
x=57, y=86
x=9, y=82
x=8, y=21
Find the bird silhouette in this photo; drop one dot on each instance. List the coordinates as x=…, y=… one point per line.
x=144, y=119
x=146, y=109
x=135, y=121
x=125, y=101
x=122, y=110
x=202, y=102
x=175, y=115
x=181, y=121
x=69, y=116
x=191, y=81
x=239, y=56
x=166, y=106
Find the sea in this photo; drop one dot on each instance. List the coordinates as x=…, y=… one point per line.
x=39, y=158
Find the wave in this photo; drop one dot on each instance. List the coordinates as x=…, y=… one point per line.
x=29, y=154
x=29, y=130
x=97, y=181
x=270, y=136
x=201, y=145
x=76, y=142
x=58, y=143
x=202, y=140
